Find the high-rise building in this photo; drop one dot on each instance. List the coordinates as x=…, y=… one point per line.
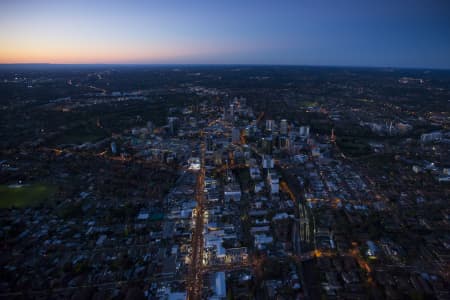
x=284, y=127
x=284, y=142
x=270, y=125
x=333, y=136
x=209, y=143
x=113, y=148
x=150, y=126
x=267, y=162
x=267, y=144
x=304, y=132
x=193, y=121
x=236, y=135
x=225, y=113
x=273, y=182
x=315, y=151
x=231, y=111
x=173, y=125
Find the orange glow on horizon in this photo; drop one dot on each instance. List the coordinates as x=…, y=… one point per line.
x=47, y=55
x=75, y=51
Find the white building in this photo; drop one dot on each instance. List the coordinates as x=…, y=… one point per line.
x=267, y=162
x=304, y=132
x=262, y=239
x=214, y=240
x=255, y=173
x=232, y=191
x=194, y=163
x=259, y=186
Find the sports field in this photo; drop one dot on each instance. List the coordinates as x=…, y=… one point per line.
x=25, y=195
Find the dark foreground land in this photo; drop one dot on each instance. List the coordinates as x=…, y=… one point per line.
x=319, y=182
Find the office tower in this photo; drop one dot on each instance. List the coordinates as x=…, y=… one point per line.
x=283, y=127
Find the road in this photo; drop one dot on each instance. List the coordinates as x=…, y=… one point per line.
x=195, y=278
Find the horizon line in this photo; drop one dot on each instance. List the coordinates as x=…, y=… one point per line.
x=227, y=64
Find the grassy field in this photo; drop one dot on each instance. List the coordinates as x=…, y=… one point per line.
x=81, y=134
x=27, y=195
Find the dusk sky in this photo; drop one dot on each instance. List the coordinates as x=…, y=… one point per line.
x=396, y=33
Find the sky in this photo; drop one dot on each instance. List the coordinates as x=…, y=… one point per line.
x=382, y=33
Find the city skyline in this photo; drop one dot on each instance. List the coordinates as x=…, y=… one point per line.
x=402, y=34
